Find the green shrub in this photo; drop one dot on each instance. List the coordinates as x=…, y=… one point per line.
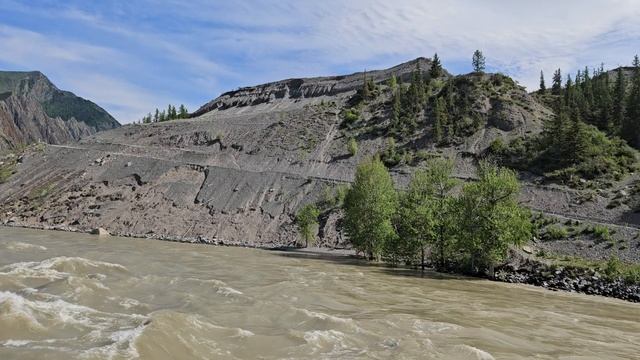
x=352, y=146
x=6, y=170
x=556, y=232
x=601, y=232
x=613, y=267
x=351, y=115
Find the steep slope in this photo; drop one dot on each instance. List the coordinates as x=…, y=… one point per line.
x=32, y=109
x=239, y=171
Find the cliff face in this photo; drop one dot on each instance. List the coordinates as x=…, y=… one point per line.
x=308, y=88
x=32, y=109
x=239, y=171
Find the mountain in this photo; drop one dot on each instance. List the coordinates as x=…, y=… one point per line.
x=32, y=109
x=240, y=169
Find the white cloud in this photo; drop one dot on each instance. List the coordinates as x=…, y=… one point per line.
x=211, y=46
x=28, y=47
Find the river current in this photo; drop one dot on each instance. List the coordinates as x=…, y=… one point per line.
x=67, y=296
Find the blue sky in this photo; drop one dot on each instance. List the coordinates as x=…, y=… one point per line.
x=133, y=56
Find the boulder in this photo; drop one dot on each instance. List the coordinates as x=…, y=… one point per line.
x=100, y=232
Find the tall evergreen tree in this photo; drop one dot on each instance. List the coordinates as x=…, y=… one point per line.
x=618, y=98
x=365, y=87
x=556, y=87
x=441, y=121
x=156, y=116
x=436, y=67
x=631, y=128
x=543, y=87
x=182, y=112
x=478, y=61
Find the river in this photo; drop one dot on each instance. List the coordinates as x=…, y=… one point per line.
x=67, y=295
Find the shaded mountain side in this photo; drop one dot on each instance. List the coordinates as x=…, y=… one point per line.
x=239, y=173
x=32, y=109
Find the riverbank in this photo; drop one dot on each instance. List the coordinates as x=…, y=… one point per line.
x=517, y=270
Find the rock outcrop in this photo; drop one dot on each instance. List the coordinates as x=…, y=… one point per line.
x=32, y=110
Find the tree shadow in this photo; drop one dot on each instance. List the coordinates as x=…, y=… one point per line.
x=348, y=259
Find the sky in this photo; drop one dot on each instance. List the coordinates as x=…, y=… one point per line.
x=135, y=55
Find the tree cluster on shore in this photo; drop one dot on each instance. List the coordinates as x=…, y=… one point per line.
x=171, y=113
x=469, y=232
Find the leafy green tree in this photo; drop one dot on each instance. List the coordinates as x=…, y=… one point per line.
x=163, y=116
x=436, y=67
x=307, y=220
x=543, y=86
x=490, y=218
x=369, y=207
x=556, y=87
x=478, y=61
x=426, y=209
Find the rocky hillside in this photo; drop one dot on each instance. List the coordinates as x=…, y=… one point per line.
x=32, y=109
x=238, y=171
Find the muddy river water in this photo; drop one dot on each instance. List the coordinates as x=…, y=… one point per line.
x=67, y=296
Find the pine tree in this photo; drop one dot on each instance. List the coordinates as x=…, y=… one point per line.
x=396, y=109
x=556, y=87
x=441, y=121
x=618, y=98
x=602, y=106
x=436, y=67
x=543, y=87
x=163, y=116
x=631, y=128
x=365, y=87
x=182, y=112
x=478, y=61
x=156, y=116
x=147, y=119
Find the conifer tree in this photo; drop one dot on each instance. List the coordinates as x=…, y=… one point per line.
x=156, y=116
x=182, y=112
x=556, y=87
x=618, y=98
x=631, y=128
x=365, y=87
x=163, y=116
x=478, y=61
x=441, y=121
x=543, y=87
x=436, y=67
